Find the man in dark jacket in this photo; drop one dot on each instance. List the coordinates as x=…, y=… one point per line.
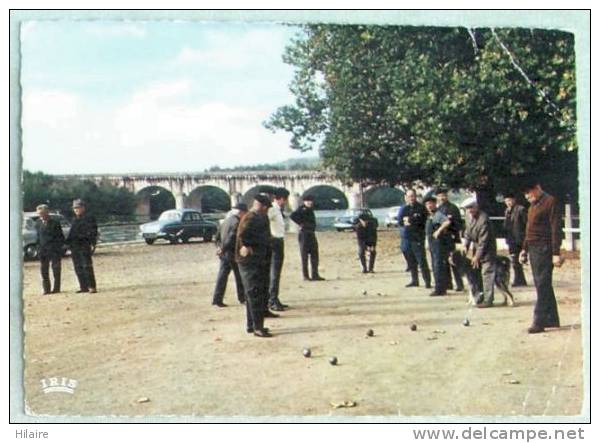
x=50, y=243
x=81, y=239
x=440, y=241
x=225, y=241
x=366, y=236
x=451, y=211
x=515, y=222
x=412, y=218
x=304, y=216
x=543, y=238
x=253, y=249
x=480, y=235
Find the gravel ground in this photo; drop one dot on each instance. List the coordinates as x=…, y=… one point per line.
x=150, y=343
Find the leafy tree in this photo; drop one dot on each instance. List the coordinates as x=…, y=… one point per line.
x=465, y=108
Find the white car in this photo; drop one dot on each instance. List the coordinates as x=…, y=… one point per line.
x=391, y=218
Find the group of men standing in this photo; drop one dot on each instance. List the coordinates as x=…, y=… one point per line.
x=251, y=244
x=533, y=233
x=80, y=240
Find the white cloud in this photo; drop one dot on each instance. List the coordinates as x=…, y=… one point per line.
x=157, y=129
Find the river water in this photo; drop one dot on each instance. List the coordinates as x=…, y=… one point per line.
x=131, y=232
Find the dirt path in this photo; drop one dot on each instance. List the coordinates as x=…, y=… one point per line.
x=151, y=332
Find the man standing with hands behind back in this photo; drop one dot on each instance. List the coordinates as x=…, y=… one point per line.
x=304, y=216
x=50, y=240
x=543, y=238
x=515, y=222
x=82, y=237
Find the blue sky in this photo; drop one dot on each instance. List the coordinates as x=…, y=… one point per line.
x=134, y=96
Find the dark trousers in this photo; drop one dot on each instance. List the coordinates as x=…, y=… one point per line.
x=439, y=263
x=362, y=256
x=255, y=278
x=519, y=275
x=452, y=271
x=416, y=259
x=47, y=258
x=277, y=256
x=309, y=248
x=545, y=313
x=228, y=264
x=84, y=268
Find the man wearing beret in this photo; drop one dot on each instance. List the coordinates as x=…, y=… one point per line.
x=225, y=241
x=50, y=241
x=304, y=216
x=543, y=238
x=277, y=224
x=451, y=211
x=253, y=256
x=81, y=239
x=439, y=239
x=515, y=222
x=412, y=218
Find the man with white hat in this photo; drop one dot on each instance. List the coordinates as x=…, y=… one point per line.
x=479, y=234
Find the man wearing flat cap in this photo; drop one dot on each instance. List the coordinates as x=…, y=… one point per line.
x=543, y=239
x=81, y=239
x=277, y=224
x=253, y=251
x=439, y=239
x=50, y=241
x=451, y=211
x=515, y=222
x=480, y=236
x=304, y=217
x=225, y=242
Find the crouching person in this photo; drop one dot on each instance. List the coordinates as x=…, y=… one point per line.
x=366, y=235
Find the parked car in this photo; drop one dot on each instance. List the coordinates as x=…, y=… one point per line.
x=30, y=237
x=179, y=224
x=391, y=218
x=349, y=219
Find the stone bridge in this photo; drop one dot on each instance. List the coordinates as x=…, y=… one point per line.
x=187, y=189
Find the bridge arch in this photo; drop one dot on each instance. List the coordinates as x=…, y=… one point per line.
x=248, y=196
x=152, y=200
x=327, y=197
x=383, y=197
x=209, y=199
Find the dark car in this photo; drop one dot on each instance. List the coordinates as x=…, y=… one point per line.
x=179, y=224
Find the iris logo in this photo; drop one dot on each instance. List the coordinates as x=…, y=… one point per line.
x=58, y=384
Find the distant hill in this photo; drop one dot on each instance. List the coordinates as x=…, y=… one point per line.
x=292, y=164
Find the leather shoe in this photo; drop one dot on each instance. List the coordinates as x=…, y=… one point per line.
x=262, y=333
x=412, y=284
x=277, y=307
x=251, y=330
x=269, y=314
x=220, y=305
x=317, y=278
x=82, y=291
x=436, y=294
x=535, y=329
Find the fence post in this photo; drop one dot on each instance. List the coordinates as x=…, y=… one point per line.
x=569, y=237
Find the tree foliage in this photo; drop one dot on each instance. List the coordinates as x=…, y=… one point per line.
x=470, y=108
x=104, y=200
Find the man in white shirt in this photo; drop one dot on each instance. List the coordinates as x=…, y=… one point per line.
x=277, y=223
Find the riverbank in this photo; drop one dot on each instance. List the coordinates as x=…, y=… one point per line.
x=151, y=333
